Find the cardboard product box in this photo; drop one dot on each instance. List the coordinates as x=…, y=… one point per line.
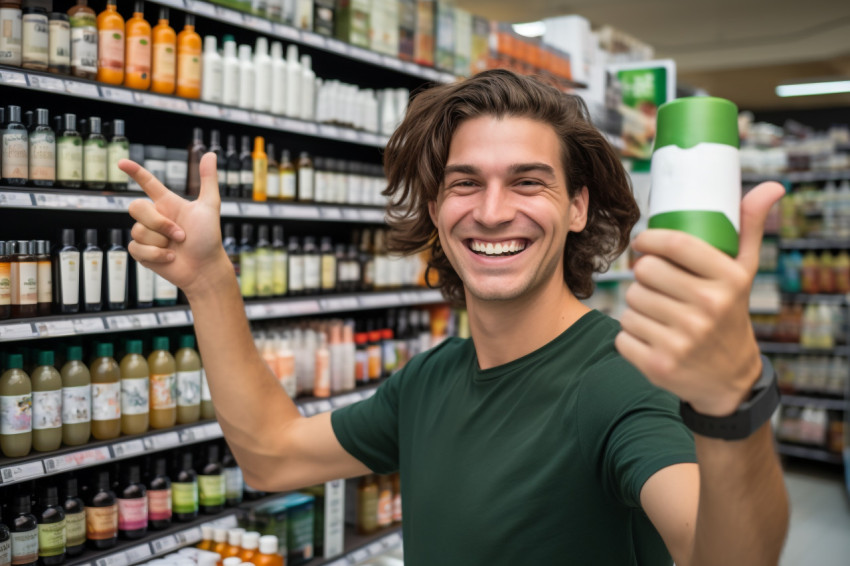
x=406, y=29
x=463, y=42
x=480, y=45
x=353, y=21
x=426, y=19
x=445, y=41
x=324, y=15
x=290, y=519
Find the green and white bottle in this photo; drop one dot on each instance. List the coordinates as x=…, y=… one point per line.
x=696, y=171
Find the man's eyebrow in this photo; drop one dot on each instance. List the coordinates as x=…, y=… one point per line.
x=463, y=169
x=528, y=167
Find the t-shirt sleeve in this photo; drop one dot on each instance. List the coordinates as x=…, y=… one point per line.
x=629, y=429
x=368, y=430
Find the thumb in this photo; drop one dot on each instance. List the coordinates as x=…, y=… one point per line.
x=209, y=181
x=754, y=209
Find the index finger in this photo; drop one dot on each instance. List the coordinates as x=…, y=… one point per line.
x=150, y=184
x=685, y=250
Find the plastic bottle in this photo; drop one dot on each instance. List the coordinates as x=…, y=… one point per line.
x=197, y=149
x=262, y=75
x=188, y=365
x=212, y=72
x=189, y=60
x=349, y=357
x=24, y=527
x=101, y=513
x=164, y=56
x=234, y=542
x=293, y=82
x=35, y=38
x=841, y=268
x=322, y=379
x=206, y=543
x=117, y=268
x=247, y=263
x=288, y=177
x=106, y=394
x=24, y=279
x=11, y=20
x=367, y=505
x=16, y=407
x=296, y=267
x=94, y=156
x=46, y=404
x=132, y=503
x=159, y=495
x=184, y=490
x=230, y=72
x=268, y=555
x=135, y=412
x=163, y=385
x=42, y=151
x=69, y=154
x=44, y=284
x=278, y=79
x=260, y=164
x=272, y=175
x=263, y=262
x=137, y=72
x=247, y=80
x=83, y=40
x=250, y=546
x=211, y=484
x=15, y=149
x=279, y=262
x=76, y=399
x=75, y=518
x=219, y=541
x=92, y=273
x=59, y=43
x=308, y=89
x=246, y=172
x=305, y=178
x=117, y=149
x=110, y=45
x=233, y=482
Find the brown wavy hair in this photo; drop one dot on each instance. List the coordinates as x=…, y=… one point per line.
x=416, y=155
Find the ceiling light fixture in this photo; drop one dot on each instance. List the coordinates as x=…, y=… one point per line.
x=814, y=88
x=530, y=29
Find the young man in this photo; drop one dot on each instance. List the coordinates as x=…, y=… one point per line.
x=541, y=440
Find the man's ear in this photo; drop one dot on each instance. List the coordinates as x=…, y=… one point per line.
x=578, y=210
x=432, y=211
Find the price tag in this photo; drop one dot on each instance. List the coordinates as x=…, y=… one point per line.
x=376, y=548
x=138, y=553
x=164, y=545
x=229, y=208
x=92, y=202
x=190, y=316
x=372, y=215
x=79, y=88
x=337, y=46
x=412, y=68
x=329, y=131
x=201, y=8
x=55, y=328
x=47, y=83
x=290, y=125
x=81, y=459
x=259, y=24
x=367, y=393
x=431, y=74
x=173, y=318
x=90, y=325
x=330, y=213
x=13, y=78
x=351, y=214
x=147, y=320
x=189, y=536
x=228, y=522
x=128, y=448
x=314, y=39
x=194, y=434
x=298, y=212
x=311, y=129
x=213, y=430
x=392, y=540
x=278, y=310
x=348, y=134
x=14, y=199
x=16, y=331
x=204, y=109
x=174, y=104
x=22, y=472
x=392, y=63
x=253, y=311
x=119, y=322
x=447, y=78
x=287, y=32
x=338, y=304
x=117, y=559
x=380, y=301
x=263, y=119
x=162, y=441
x=117, y=95
x=360, y=555
x=255, y=209
x=238, y=115
x=52, y=201
x=122, y=203
x=308, y=410
x=365, y=55
x=304, y=307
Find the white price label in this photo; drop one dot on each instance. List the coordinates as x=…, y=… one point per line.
x=338, y=304
x=121, y=203
x=53, y=201
x=194, y=434
x=47, y=83
x=138, y=553
x=230, y=208
x=447, y=78
x=345, y=400
x=376, y=548
x=351, y=214
x=263, y=119
x=117, y=95
x=16, y=331
x=412, y=68
x=22, y=472
x=330, y=213
x=380, y=300
x=304, y=307
x=204, y=109
x=117, y=559
x=238, y=115
x=13, y=78
x=392, y=63
x=93, y=202
x=339, y=562
x=289, y=125
x=360, y=555
x=213, y=430
x=365, y=55
x=309, y=409
x=297, y=212
x=254, y=311
x=287, y=32
x=173, y=318
x=120, y=322
x=323, y=406
x=14, y=199
x=190, y=316
x=128, y=448
x=89, y=325
x=228, y=522
x=259, y=24
x=55, y=328
x=372, y=215
x=331, y=132
x=311, y=129
x=314, y=39
x=337, y=46
x=349, y=135
x=201, y=8
x=256, y=210
x=278, y=310
x=189, y=536
x=147, y=320
x=81, y=459
x=164, y=545
x=81, y=89
x=392, y=540
x=162, y=441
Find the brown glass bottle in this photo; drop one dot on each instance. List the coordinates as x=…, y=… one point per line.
x=101, y=514
x=197, y=149
x=24, y=271
x=51, y=527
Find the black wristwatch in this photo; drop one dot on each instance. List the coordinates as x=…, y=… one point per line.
x=749, y=416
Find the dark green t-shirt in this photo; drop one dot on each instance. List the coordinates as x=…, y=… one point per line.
x=539, y=461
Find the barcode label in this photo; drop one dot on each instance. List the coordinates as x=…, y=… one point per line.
x=118, y=559
x=213, y=430
x=22, y=472
x=117, y=95
x=128, y=448
x=256, y=210
x=13, y=78
x=164, y=544
x=80, y=459
x=204, y=109
x=138, y=553
x=230, y=209
x=173, y=318
x=13, y=199
x=81, y=89
x=16, y=331
x=304, y=307
x=339, y=304
x=162, y=441
x=194, y=434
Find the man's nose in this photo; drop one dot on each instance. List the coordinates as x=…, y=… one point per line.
x=495, y=206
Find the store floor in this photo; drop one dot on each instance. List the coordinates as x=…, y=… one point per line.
x=820, y=516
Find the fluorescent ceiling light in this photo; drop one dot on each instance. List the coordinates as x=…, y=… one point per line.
x=811, y=89
x=530, y=29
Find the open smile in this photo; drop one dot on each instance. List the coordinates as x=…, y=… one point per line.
x=497, y=249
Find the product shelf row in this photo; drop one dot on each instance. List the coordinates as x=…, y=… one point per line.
x=81, y=88
x=819, y=402
x=792, y=348
x=796, y=176
x=808, y=453
x=167, y=317
x=95, y=201
x=16, y=470
x=814, y=244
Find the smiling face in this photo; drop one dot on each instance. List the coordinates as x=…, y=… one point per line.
x=503, y=212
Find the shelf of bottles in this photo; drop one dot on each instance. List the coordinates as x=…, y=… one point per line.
x=808, y=453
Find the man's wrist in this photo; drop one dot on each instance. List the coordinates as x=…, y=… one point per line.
x=740, y=391
x=213, y=278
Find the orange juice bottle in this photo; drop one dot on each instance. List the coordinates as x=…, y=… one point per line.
x=189, y=60
x=110, y=45
x=164, y=66
x=250, y=544
x=206, y=538
x=234, y=542
x=268, y=555
x=219, y=541
x=137, y=70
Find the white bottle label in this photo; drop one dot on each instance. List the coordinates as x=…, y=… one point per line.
x=188, y=388
x=115, y=153
x=35, y=35
x=163, y=289
x=144, y=284
x=233, y=483
x=205, y=387
x=92, y=274
x=69, y=273
x=42, y=156
x=134, y=396
x=246, y=177
x=273, y=185
x=305, y=184
x=296, y=273
x=46, y=409
x=106, y=401
x=312, y=271
x=15, y=155
x=11, y=21
x=232, y=178
x=60, y=43
x=116, y=265
x=25, y=547
x=15, y=413
x=24, y=283
x=76, y=404
x=6, y=552
x=83, y=46
x=69, y=162
x=288, y=185
x=94, y=161
x=45, y=282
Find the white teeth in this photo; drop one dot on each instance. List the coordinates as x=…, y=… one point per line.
x=499, y=248
x=490, y=250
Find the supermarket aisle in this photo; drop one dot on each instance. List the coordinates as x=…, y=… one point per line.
x=820, y=516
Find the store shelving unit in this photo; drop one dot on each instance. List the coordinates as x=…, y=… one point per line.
x=796, y=176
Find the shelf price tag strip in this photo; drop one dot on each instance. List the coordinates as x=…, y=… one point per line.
x=21, y=472
x=17, y=331
x=81, y=459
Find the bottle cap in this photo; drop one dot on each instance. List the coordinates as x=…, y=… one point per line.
x=177, y=154
x=207, y=532
x=91, y=237
x=277, y=232
x=259, y=145
x=118, y=128
x=134, y=347
x=685, y=122
x=42, y=116
x=262, y=233
x=374, y=335
x=14, y=113
x=220, y=535
x=115, y=236
x=387, y=334
x=232, y=561
x=210, y=44
x=268, y=544
x=160, y=343
x=234, y=536
x=68, y=237
x=42, y=247
x=250, y=540
x=71, y=122
x=189, y=21
x=45, y=358
x=15, y=361
x=163, y=13
x=75, y=353
x=104, y=350
x=187, y=341
x=94, y=125
x=247, y=232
